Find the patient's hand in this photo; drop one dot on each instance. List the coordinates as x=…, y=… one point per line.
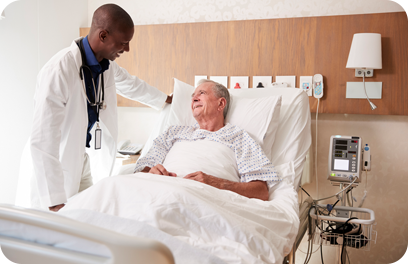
x=206, y=178
x=160, y=170
x=254, y=189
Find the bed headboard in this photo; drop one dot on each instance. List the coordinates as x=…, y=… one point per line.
x=270, y=47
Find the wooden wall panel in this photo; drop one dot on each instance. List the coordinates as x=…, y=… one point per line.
x=290, y=46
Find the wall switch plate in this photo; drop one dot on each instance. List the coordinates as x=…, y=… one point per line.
x=220, y=79
x=265, y=80
x=368, y=72
x=241, y=80
x=290, y=80
x=197, y=78
x=356, y=90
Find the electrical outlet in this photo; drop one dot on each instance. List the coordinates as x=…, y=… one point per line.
x=368, y=72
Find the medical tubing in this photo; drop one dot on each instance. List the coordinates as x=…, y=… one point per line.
x=321, y=251
x=355, y=178
x=348, y=199
x=85, y=89
x=344, y=238
x=311, y=234
x=317, y=182
x=365, y=190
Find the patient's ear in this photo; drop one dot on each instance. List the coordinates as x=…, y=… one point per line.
x=221, y=104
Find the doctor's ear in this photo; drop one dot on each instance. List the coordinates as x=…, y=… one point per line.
x=102, y=35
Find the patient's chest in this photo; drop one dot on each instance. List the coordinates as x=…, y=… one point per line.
x=204, y=155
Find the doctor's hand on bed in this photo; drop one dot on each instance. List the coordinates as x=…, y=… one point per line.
x=169, y=98
x=56, y=208
x=252, y=189
x=159, y=170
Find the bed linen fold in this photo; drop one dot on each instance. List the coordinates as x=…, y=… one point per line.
x=221, y=223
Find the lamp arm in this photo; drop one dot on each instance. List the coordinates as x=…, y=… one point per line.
x=373, y=106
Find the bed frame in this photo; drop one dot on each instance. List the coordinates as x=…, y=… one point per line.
x=294, y=117
x=304, y=210
x=124, y=249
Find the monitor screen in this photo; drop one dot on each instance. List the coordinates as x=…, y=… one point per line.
x=340, y=164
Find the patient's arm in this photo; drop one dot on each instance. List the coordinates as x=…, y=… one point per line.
x=159, y=170
x=252, y=189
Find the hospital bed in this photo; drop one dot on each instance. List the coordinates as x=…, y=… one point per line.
x=144, y=218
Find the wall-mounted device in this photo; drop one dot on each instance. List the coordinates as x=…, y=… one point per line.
x=318, y=86
x=345, y=158
x=367, y=158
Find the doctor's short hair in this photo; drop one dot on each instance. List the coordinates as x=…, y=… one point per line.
x=219, y=91
x=111, y=17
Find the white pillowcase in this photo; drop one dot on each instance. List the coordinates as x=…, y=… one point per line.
x=258, y=116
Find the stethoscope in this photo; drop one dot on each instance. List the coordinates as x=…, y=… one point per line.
x=99, y=97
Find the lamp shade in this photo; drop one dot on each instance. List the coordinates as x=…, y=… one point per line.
x=365, y=51
x=3, y=5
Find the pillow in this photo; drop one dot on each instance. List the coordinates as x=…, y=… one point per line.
x=258, y=116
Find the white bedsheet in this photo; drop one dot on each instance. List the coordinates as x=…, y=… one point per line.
x=221, y=223
x=186, y=157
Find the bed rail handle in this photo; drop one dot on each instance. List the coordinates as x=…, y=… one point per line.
x=124, y=249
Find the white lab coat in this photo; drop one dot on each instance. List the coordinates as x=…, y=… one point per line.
x=61, y=120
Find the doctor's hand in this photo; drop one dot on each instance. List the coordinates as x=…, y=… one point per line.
x=56, y=208
x=169, y=99
x=160, y=170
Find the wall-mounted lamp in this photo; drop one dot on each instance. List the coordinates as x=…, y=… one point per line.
x=365, y=56
x=3, y=5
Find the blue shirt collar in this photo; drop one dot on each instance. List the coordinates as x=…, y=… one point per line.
x=91, y=59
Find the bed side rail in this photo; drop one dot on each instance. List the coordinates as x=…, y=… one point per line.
x=123, y=248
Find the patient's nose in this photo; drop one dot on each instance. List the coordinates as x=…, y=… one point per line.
x=194, y=98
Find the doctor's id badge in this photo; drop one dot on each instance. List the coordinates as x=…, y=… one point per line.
x=98, y=137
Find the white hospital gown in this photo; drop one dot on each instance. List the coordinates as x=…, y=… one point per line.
x=251, y=160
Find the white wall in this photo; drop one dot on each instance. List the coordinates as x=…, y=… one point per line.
x=32, y=32
x=179, y=11
x=136, y=123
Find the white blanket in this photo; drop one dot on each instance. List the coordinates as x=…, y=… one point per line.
x=222, y=223
x=186, y=157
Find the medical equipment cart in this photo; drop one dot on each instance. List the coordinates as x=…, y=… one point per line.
x=331, y=229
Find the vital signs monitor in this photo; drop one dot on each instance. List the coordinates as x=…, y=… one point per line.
x=345, y=158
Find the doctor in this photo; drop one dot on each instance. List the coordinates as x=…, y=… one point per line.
x=76, y=91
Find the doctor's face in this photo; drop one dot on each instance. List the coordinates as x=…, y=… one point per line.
x=117, y=42
x=204, y=103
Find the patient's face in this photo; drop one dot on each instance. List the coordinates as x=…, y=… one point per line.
x=204, y=103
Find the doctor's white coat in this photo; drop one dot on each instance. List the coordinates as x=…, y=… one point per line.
x=61, y=120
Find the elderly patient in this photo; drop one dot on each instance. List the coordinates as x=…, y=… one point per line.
x=209, y=105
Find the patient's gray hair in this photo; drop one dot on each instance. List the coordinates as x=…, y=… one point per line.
x=219, y=91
